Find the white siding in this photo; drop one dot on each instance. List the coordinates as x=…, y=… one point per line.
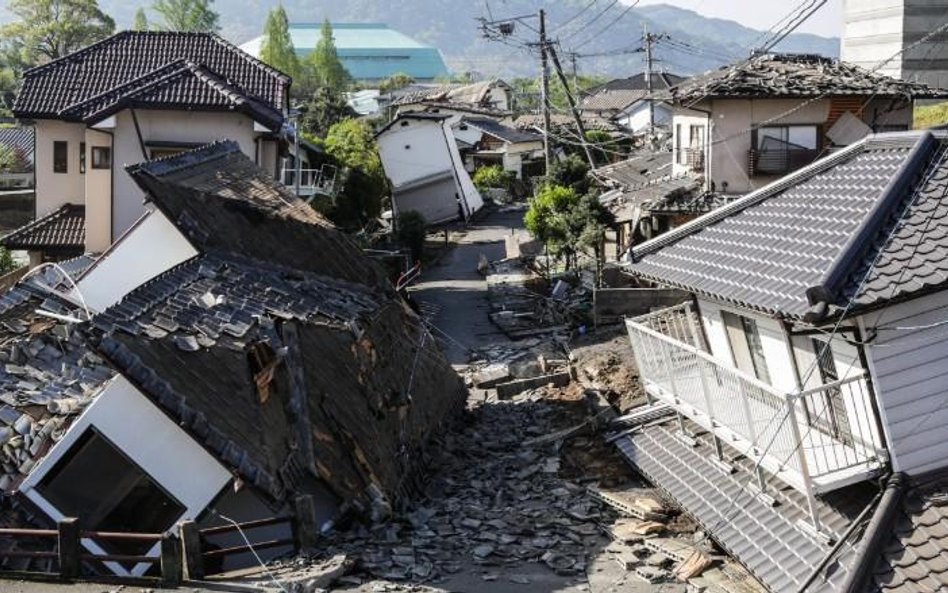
x=149, y=248
x=152, y=441
x=772, y=338
x=55, y=189
x=910, y=372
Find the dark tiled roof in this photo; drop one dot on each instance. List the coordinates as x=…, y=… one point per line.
x=609, y=100
x=63, y=229
x=218, y=198
x=106, y=65
x=48, y=376
x=914, y=558
x=660, y=81
x=19, y=138
x=180, y=84
x=816, y=231
x=500, y=131
x=559, y=120
x=796, y=75
x=182, y=338
x=437, y=106
x=638, y=170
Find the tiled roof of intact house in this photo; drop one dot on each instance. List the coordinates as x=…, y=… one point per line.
x=18, y=138
x=809, y=239
x=63, y=229
x=124, y=57
x=217, y=197
x=913, y=556
x=796, y=75
x=500, y=131
x=181, y=85
x=612, y=100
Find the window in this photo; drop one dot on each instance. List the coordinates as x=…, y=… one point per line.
x=104, y=490
x=746, y=346
x=782, y=149
x=696, y=137
x=678, y=146
x=101, y=157
x=60, y=157
x=82, y=157
x=830, y=414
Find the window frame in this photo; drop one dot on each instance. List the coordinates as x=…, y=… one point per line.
x=678, y=145
x=60, y=157
x=107, y=150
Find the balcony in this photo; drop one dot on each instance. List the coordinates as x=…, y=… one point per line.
x=312, y=181
x=779, y=161
x=798, y=437
x=694, y=158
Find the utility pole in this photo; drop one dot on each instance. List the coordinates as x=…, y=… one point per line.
x=545, y=92
x=647, y=41
x=572, y=106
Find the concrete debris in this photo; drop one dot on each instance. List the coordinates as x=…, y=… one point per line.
x=693, y=566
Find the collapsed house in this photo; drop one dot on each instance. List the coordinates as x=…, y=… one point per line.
x=803, y=383
x=421, y=158
x=257, y=356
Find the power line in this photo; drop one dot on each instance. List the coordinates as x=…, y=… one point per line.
x=611, y=23
x=593, y=20
x=574, y=17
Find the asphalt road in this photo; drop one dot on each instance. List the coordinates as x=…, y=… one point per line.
x=455, y=294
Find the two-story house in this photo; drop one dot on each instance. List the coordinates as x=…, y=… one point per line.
x=129, y=98
x=805, y=380
x=749, y=123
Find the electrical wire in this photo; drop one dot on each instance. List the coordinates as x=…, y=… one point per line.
x=593, y=20
x=574, y=17
x=609, y=25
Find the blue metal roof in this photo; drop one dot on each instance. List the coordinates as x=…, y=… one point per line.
x=369, y=51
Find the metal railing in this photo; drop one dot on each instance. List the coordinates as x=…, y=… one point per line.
x=779, y=161
x=694, y=158
x=815, y=440
x=312, y=181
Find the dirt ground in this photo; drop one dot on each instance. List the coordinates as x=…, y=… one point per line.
x=604, y=359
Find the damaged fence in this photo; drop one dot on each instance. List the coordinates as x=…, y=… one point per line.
x=184, y=553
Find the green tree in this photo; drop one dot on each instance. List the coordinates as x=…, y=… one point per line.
x=140, y=22
x=187, y=15
x=568, y=223
x=573, y=172
x=493, y=176
x=50, y=29
x=395, y=82
x=322, y=67
x=8, y=87
x=411, y=232
x=6, y=261
x=325, y=109
x=351, y=143
x=277, y=47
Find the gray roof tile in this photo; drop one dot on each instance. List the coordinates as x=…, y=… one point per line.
x=63, y=230
x=767, y=249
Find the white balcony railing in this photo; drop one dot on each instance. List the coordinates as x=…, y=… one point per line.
x=815, y=441
x=311, y=181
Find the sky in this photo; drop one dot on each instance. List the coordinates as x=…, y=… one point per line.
x=762, y=14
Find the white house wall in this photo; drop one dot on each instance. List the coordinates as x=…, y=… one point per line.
x=152, y=246
x=98, y=192
x=910, y=373
x=637, y=117
x=412, y=151
x=55, y=189
x=145, y=435
x=166, y=126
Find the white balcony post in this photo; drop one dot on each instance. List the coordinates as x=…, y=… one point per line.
x=751, y=429
x=666, y=357
x=695, y=340
x=804, y=469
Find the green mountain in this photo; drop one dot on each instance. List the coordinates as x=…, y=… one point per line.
x=604, y=36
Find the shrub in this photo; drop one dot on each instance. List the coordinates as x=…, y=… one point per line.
x=412, y=228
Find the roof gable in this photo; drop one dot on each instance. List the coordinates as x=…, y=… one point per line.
x=130, y=55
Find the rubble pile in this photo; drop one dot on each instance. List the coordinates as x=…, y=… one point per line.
x=493, y=503
x=523, y=305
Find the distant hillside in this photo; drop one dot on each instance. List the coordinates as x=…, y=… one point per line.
x=451, y=26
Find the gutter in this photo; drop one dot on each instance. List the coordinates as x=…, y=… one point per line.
x=879, y=528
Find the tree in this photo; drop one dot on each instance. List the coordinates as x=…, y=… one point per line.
x=395, y=82
x=568, y=223
x=411, y=232
x=277, y=47
x=325, y=109
x=140, y=22
x=351, y=143
x=187, y=15
x=50, y=29
x=573, y=172
x=6, y=261
x=323, y=69
x=8, y=86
